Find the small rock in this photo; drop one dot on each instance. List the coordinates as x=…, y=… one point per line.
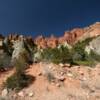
x=50, y=67
x=4, y=93
x=58, y=85
x=52, y=83
x=61, y=64
x=67, y=65
x=82, y=73
x=39, y=74
x=78, y=67
x=21, y=94
x=15, y=96
x=31, y=94
x=84, y=79
x=69, y=74
x=61, y=78
x=53, y=69
x=62, y=73
x=92, y=90
x=98, y=73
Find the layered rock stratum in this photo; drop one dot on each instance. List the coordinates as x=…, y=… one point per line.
x=71, y=37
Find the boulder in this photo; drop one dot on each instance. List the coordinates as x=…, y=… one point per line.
x=18, y=48
x=31, y=94
x=94, y=46
x=57, y=85
x=60, y=78
x=4, y=93
x=70, y=74
x=21, y=94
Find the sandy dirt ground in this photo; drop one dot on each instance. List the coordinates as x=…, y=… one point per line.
x=57, y=82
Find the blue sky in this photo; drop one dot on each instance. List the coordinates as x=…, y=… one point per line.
x=47, y=16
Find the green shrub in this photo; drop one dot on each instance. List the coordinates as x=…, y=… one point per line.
x=18, y=82
x=56, y=55
x=84, y=42
x=80, y=56
x=86, y=63
x=7, y=46
x=94, y=56
x=79, y=52
x=75, y=56
x=4, y=60
x=19, y=79
x=79, y=48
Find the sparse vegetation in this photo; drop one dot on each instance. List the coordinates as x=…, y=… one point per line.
x=19, y=79
x=56, y=55
x=4, y=61
x=75, y=56
x=50, y=77
x=95, y=56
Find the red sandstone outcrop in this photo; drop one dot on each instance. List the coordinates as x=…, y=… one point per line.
x=40, y=41
x=52, y=41
x=43, y=42
x=71, y=37
x=91, y=31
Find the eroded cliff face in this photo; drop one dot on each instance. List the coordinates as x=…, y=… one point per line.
x=71, y=37
x=91, y=31
x=41, y=42
x=52, y=41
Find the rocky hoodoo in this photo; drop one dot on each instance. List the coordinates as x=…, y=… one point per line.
x=52, y=41
x=70, y=37
x=41, y=42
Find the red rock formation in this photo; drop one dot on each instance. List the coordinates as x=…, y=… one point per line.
x=75, y=34
x=52, y=41
x=70, y=37
x=64, y=38
x=40, y=41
